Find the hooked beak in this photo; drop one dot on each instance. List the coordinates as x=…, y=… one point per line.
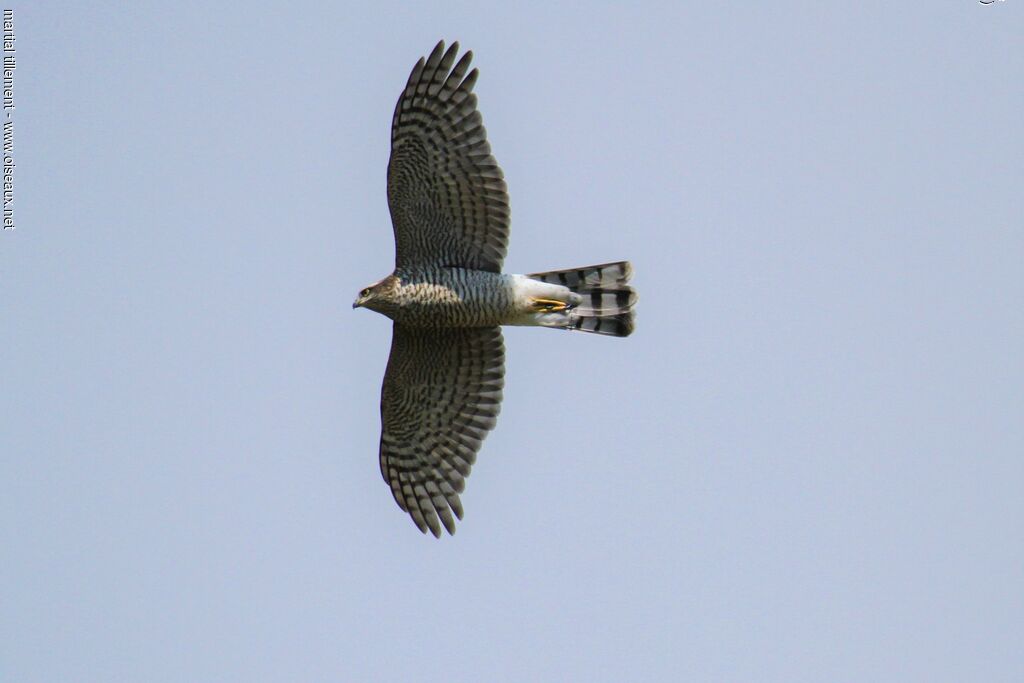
x=357, y=303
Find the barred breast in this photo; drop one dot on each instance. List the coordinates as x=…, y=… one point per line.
x=452, y=297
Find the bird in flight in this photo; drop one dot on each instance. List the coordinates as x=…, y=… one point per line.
x=448, y=298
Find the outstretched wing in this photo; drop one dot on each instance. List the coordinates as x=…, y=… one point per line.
x=441, y=396
x=447, y=194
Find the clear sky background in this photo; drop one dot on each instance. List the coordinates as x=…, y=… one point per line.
x=806, y=465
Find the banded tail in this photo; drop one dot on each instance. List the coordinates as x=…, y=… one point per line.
x=605, y=300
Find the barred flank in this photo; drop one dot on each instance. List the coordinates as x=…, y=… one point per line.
x=607, y=305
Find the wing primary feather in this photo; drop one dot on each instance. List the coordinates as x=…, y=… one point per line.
x=445, y=206
x=440, y=398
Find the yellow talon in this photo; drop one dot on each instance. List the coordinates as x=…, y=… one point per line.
x=549, y=305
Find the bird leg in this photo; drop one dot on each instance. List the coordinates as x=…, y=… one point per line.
x=548, y=305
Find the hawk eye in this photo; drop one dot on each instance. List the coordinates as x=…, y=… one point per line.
x=365, y=292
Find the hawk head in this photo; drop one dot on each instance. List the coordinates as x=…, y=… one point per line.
x=376, y=297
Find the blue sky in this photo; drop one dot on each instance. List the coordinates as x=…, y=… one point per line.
x=805, y=465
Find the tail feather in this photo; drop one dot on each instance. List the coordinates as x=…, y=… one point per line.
x=605, y=303
x=588, y=277
x=620, y=325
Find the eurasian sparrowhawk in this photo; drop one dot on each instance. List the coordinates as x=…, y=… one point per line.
x=447, y=295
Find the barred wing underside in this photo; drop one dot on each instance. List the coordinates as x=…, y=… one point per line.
x=447, y=195
x=441, y=396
